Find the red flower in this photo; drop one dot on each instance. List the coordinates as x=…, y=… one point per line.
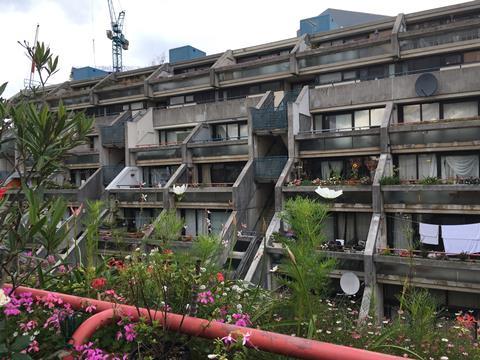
x=167, y=252
x=3, y=191
x=466, y=320
x=116, y=263
x=98, y=283
x=220, y=277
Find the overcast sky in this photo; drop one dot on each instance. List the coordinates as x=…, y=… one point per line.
x=153, y=27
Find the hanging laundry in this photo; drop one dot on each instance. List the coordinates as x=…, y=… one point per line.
x=461, y=238
x=429, y=233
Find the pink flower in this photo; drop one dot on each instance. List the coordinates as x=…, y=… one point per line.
x=90, y=308
x=32, y=324
x=356, y=335
x=119, y=335
x=228, y=340
x=51, y=300
x=62, y=269
x=130, y=333
x=242, y=320
x=11, y=309
x=205, y=297
x=51, y=259
x=246, y=338
x=33, y=347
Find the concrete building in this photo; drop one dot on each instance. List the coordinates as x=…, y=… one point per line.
x=387, y=111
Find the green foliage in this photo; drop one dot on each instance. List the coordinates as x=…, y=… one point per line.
x=92, y=224
x=168, y=227
x=206, y=248
x=430, y=180
x=390, y=180
x=421, y=311
x=306, y=218
x=305, y=270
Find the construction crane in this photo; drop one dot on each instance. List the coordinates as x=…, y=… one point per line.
x=119, y=42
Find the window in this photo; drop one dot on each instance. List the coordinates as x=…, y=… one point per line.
x=459, y=110
x=230, y=131
x=173, y=136
x=358, y=119
x=417, y=166
x=420, y=112
x=340, y=122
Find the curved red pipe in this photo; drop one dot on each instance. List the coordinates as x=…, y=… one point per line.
x=263, y=340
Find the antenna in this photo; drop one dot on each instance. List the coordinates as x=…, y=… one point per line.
x=119, y=42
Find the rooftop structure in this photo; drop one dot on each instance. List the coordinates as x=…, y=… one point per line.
x=332, y=19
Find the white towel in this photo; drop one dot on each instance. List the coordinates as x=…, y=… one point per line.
x=461, y=238
x=469, y=231
x=429, y=233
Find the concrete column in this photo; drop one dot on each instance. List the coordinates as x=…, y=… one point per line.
x=399, y=26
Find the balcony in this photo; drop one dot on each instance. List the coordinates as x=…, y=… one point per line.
x=206, y=196
x=358, y=141
x=268, y=169
x=441, y=134
x=230, y=109
x=270, y=68
x=158, y=155
x=219, y=150
x=182, y=83
x=454, y=274
x=322, y=57
x=454, y=198
x=116, y=93
x=139, y=197
x=83, y=160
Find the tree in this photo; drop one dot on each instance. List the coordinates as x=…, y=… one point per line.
x=41, y=138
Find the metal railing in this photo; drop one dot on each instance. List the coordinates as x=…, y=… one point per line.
x=271, y=118
x=82, y=159
x=269, y=168
x=110, y=172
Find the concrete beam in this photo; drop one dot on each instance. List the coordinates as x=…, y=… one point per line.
x=398, y=26
x=93, y=95
x=226, y=59
x=168, y=201
x=148, y=91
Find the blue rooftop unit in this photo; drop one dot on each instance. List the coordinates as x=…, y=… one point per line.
x=184, y=53
x=332, y=19
x=86, y=72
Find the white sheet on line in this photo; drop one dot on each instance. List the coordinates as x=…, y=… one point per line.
x=461, y=238
x=429, y=233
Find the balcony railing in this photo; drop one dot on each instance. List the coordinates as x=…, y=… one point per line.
x=170, y=152
x=269, y=119
x=109, y=172
x=440, y=39
x=220, y=150
x=341, y=140
x=82, y=159
x=269, y=168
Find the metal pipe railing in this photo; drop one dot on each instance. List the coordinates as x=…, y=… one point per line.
x=262, y=340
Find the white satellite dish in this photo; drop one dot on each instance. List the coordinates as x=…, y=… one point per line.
x=350, y=283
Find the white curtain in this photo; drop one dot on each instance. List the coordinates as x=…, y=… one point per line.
x=353, y=227
x=407, y=167
x=427, y=166
x=190, y=223
x=329, y=166
x=463, y=166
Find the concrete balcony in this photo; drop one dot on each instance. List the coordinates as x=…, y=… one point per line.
x=452, y=274
x=450, y=81
x=451, y=199
x=458, y=134
x=82, y=160
x=115, y=94
x=338, y=143
x=158, y=155
x=212, y=150
x=193, y=114
x=206, y=196
x=178, y=84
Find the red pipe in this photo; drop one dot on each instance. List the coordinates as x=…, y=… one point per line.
x=263, y=340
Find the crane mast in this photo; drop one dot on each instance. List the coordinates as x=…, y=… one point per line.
x=119, y=42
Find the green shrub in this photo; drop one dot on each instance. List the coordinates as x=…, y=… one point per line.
x=390, y=180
